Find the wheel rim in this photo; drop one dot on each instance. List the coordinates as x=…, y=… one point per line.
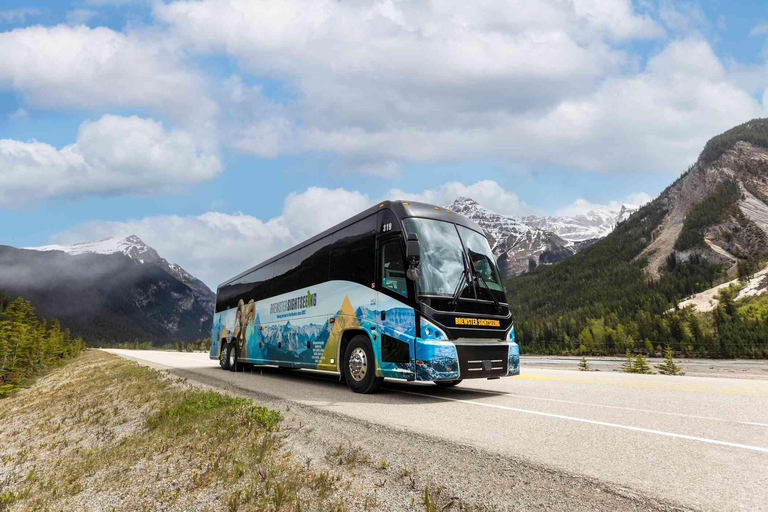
x=358, y=364
x=223, y=355
x=232, y=357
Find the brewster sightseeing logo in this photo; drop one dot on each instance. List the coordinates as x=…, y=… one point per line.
x=294, y=304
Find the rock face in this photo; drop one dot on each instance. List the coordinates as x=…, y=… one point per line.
x=114, y=290
x=740, y=227
x=522, y=243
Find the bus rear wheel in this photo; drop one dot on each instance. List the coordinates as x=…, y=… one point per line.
x=232, y=354
x=360, y=366
x=224, y=355
x=447, y=383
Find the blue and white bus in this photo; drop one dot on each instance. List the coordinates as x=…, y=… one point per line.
x=403, y=290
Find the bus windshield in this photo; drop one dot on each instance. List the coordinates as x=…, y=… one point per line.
x=441, y=264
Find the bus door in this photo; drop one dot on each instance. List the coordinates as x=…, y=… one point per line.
x=396, y=317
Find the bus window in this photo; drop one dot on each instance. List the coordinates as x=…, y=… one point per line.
x=354, y=252
x=393, y=268
x=314, y=260
x=284, y=280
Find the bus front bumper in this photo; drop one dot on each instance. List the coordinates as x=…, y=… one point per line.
x=448, y=360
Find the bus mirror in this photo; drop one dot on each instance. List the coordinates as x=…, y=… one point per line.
x=412, y=256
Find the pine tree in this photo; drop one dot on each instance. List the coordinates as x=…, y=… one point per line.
x=53, y=343
x=640, y=365
x=628, y=367
x=583, y=364
x=668, y=367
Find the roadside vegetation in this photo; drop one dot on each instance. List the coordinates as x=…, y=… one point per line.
x=105, y=433
x=30, y=346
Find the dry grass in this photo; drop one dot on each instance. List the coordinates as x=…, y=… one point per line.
x=103, y=433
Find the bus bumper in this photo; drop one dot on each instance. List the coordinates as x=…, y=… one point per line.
x=447, y=360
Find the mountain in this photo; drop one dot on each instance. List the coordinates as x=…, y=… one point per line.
x=116, y=289
x=523, y=243
x=624, y=288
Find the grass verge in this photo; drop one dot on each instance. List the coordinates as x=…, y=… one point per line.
x=103, y=433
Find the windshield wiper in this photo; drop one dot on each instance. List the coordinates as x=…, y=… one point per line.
x=488, y=289
x=459, y=288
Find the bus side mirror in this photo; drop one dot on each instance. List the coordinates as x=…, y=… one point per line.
x=412, y=256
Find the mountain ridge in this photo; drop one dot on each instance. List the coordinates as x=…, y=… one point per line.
x=110, y=291
x=522, y=243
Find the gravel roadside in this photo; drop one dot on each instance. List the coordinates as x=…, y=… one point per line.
x=394, y=467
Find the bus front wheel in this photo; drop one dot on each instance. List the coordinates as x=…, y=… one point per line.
x=360, y=366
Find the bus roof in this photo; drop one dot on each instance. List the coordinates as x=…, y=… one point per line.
x=401, y=209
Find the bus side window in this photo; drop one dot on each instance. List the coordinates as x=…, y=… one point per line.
x=393, y=268
x=353, y=255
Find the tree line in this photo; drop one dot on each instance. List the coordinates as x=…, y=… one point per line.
x=29, y=345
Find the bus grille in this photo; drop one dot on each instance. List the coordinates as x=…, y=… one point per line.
x=482, y=360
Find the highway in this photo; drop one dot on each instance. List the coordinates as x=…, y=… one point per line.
x=700, y=442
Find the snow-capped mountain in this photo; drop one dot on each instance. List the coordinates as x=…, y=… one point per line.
x=116, y=289
x=522, y=243
x=591, y=225
x=141, y=253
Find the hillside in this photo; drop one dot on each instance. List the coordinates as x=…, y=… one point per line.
x=617, y=292
x=111, y=291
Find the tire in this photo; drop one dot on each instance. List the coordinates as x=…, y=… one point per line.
x=233, y=352
x=447, y=383
x=224, y=355
x=360, y=366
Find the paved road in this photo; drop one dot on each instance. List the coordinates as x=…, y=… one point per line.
x=696, y=441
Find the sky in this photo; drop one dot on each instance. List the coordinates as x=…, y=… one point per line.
x=224, y=131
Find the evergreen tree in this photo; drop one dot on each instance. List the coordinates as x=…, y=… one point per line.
x=639, y=365
x=668, y=367
x=628, y=367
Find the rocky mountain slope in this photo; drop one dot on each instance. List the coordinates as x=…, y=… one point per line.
x=702, y=230
x=719, y=208
x=522, y=243
x=117, y=289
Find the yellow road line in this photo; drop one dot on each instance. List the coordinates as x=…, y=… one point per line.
x=639, y=385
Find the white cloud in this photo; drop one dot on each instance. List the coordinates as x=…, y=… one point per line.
x=215, y=246
x=17, y=15
x=760, y=29
x=486, y=192
x=113, y=155
x=582, y=206
x=536, y=83
x=80, y=16
x=81, y=67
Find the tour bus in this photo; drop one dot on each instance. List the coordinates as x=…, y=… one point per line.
x=403, y=290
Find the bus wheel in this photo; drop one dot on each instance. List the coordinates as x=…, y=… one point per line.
x=232, y=354
x=224, y=355
x=447, y=383
x=360, y=366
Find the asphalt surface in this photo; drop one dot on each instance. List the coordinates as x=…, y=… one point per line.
x=699, y=442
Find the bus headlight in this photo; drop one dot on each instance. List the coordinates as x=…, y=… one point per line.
x=430, y=332
x=511, y=333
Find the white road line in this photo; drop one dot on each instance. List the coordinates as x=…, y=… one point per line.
x=502, y=393
x=594, y=422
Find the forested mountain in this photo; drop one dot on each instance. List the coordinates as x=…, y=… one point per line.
x=110, y=291
x=622, y=291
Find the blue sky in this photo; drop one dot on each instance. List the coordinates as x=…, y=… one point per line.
x=223, y=131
